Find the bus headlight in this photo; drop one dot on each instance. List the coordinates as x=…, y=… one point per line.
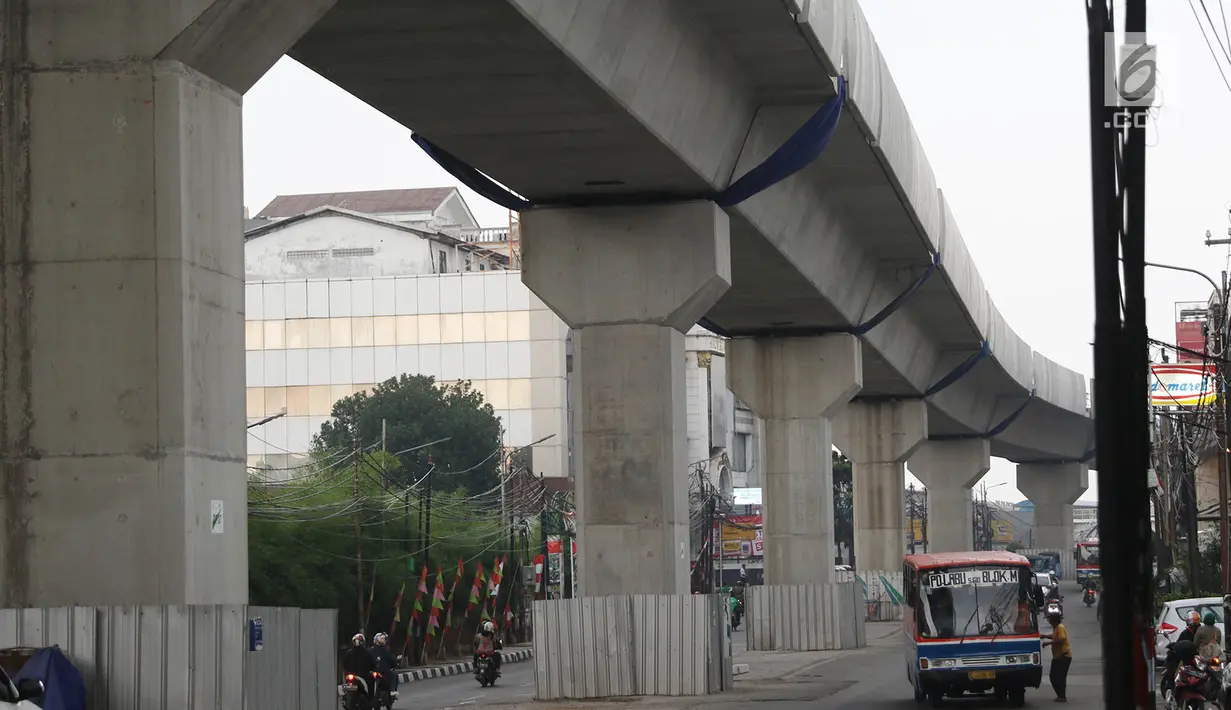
x=944, y=663
x=1017, y=659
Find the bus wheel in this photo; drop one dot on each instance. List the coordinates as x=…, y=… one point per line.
x=999, y=693
x=1017, y=697
x=920, y=696
x=938, y=699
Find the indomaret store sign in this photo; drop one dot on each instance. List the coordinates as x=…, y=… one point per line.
x=1181, y=385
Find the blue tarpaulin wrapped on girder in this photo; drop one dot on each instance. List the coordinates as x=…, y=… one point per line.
x=64, y=688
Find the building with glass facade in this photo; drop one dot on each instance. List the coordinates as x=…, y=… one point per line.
x=339, y=300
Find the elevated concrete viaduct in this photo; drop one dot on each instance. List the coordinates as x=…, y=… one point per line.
x=625, y=128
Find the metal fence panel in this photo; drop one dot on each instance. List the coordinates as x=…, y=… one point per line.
x=621, y=645
x=272, y=679
x=806, y=617
x=183, y=657
x=583, y=647
x=319, y=673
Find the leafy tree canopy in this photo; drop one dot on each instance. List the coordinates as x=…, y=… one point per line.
x=417, y=411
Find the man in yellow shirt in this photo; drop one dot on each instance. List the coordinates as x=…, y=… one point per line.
x=1061, y=656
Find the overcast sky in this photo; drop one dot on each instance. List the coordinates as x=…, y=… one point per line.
x=998, y=95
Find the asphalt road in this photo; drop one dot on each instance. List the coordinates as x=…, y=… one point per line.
x=874, y=679
x=515, y=685
x=868, y=679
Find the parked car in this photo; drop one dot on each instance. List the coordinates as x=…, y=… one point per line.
x=1171, y=620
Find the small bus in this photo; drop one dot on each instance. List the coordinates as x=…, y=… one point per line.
x=1087, y=559
x=971, y=626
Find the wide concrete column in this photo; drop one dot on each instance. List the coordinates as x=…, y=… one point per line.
x=949, y=469
x=1053, y=488
x=878, y=437
x=796, y=385
x=122, y=455
x=630, y=281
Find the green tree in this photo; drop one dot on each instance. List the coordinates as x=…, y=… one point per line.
x=843, y=502
x=303, y=552
x=416, y=411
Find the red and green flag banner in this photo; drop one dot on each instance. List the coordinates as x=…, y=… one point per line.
x=414, y=615
x=493, y=584
x=474, y=589
x=461, y=570
x=508, y=613
x=438, y=604
x=397, y=610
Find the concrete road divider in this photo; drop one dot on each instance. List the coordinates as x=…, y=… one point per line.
x=411, y=674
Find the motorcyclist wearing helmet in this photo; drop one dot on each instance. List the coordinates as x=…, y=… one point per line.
x=1181, y=649
x=1208, y=638
x=485, y=641
x=359, y=662
x=386, y=662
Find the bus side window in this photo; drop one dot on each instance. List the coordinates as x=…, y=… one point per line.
x=908, y=582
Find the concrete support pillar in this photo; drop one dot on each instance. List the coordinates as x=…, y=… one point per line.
x=796, y=385
x=630, y=281
x=950, y=469
x=122, y=454
x=878, y=437
x=1053, y=488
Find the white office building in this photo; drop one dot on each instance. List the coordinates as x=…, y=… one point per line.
x=347, y=290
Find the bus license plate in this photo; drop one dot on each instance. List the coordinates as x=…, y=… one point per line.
x=982, y=675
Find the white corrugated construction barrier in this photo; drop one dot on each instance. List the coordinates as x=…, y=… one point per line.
x=189, y=657
x=881, y=590
x=805, y=617
x=631, y=644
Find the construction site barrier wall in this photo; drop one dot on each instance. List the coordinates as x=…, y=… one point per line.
x=631, y=644
x=805, y=617
x=189, y=657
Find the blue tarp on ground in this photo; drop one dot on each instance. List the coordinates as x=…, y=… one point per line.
x=64, y=688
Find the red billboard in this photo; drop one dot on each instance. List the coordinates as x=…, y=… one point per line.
x=1190, y=335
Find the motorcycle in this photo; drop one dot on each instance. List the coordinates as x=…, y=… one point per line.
x=354, y=693
x=1215, y=693
x=1088, y=597
x=1188, y=690
x=385, y=695
x=1052, y=608
x=485, y=670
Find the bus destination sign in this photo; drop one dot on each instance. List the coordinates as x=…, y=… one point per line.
x=973, y=577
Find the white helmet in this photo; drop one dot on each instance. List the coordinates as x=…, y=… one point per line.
x=489, y=627
x=380, y=638
x=357, y=639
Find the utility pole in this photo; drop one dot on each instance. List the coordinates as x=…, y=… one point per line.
x=504, y=505
x=910, y=512
x=1224, y=443
x=358, y=539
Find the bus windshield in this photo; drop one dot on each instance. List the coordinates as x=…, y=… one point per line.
x=961, y=602
x=1087, y=553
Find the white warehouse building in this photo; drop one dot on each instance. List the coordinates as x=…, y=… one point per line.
x=346, y=290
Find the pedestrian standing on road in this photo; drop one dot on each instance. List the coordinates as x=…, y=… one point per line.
x=1061, y=656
